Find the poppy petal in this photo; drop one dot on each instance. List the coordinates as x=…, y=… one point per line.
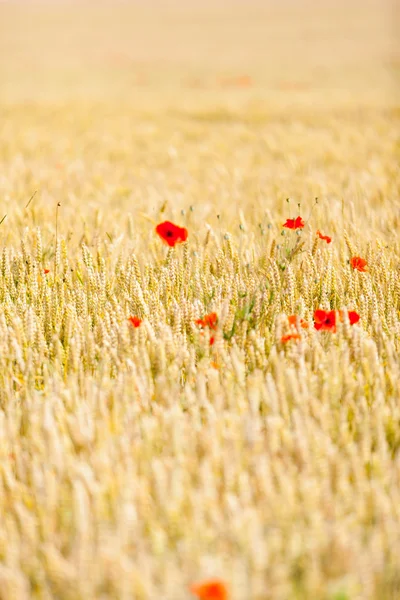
x=289, y=224
x=359, y=264
x=290, y=336
x=320, y=316
x=209, y=320
x=293, y=321
x=135, y=321
x=353, y=317
x=326, y=238
x=297, y=223
x=210, y=590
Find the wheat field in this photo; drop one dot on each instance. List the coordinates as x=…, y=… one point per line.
x=143, y=445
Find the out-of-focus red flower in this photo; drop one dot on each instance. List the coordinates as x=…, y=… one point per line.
x=354, y=317
x=358, y=263
x=212, y=340
x=210, y=590
x=45, y=271
x=325, y=320
x=171, y=234
x=241, y=81
x=324, y=237
x=210, y=320
x=135, y=321
x=293, y=321
x=297, y=223
x=290, y=336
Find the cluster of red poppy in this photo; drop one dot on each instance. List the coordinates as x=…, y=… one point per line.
x=356, y=262
x=172, y=234
x=324, y=320
x=210, y=321
x=298, y=223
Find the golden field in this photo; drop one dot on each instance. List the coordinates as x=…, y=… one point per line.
x=135, y=461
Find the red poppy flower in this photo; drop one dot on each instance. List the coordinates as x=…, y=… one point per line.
x=359, y=263
x=324, y=237
x=325, y=320
x=135, y=321
x=293, y=321
x=209, y=320
x=353, y=316
x=290, y=336
x=210, y=590
x=171, y=234
x=297, y=223
x=212, y=340
x=45, y=271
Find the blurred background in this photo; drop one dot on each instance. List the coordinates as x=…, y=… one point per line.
x=117, y=107
x=180, y=52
